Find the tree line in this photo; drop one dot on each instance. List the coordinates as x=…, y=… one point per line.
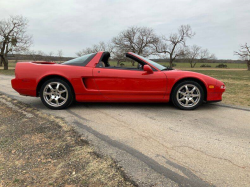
x=143, y=41
x=140, y=40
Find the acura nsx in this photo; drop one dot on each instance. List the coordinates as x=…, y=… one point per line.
x=93, y=78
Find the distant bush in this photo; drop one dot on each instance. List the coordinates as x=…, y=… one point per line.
x=221, y=66
x=174, y=65
x=205, y=66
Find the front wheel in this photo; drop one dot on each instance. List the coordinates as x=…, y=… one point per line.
x=56, y=94
x=187, y=95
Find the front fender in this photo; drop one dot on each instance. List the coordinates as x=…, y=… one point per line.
x=174, y=77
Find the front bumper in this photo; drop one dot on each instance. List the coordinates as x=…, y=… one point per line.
x=215, y=94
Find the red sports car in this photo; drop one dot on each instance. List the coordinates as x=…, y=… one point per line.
x=92, y=78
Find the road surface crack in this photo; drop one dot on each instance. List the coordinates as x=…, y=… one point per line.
x=215, y=157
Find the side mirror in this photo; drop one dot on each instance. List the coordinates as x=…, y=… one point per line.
x=148, y=69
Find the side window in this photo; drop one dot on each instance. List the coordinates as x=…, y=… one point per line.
x=101, y=64
x=80, y=61
x=126, y=63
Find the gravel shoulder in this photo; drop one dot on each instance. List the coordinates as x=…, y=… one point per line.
x=37, y=149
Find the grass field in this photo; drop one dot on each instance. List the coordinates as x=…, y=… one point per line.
x=8, y=72
x=12, y=64
x=237, y=81
x=237, y=85
x=179, y=65
x=182, y=65
x=213, y=65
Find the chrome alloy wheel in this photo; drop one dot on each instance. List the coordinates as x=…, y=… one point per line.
x=55, y=94
x=188, y=95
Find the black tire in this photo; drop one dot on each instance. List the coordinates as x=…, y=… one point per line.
x=179, y=100
x=66, y=98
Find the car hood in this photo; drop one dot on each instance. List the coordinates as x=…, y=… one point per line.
x=191, y=74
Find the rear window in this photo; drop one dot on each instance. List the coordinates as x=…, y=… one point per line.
x=80, y=61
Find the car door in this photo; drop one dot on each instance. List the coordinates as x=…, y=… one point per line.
x=130, y=85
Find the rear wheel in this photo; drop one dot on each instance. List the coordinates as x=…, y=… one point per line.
x=187, y=95
x=56, y=94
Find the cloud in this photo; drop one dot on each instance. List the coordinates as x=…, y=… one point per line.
x=220, y=25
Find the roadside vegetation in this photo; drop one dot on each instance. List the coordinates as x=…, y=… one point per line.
x=39, y=150
x=237, y=85
x=184, y=65
x=7, y=72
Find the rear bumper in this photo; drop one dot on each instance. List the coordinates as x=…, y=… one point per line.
x=24, y=86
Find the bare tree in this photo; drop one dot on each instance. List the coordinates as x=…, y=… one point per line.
x=139, y=40
x=32, y=54
x=60, y=55
x=174, y=45
x=244, y=54
x=119, y=56
x=206, y=55
x=49, y=57
x=13, y=37
x=41, y=55
x=192, y=53
x=195, y=53
x=96, y=48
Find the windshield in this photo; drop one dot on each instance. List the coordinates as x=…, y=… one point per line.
x=80, y=61
x=158, y=66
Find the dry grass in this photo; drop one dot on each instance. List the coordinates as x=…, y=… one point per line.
x=7, y=72
x=36, y=150
x=181, y=65
x=237, y=85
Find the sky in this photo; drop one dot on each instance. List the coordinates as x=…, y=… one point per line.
x=71, y=25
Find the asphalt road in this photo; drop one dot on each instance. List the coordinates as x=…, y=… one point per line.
x=157, y=144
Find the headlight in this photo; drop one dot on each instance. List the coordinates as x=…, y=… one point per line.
x=223, y=87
